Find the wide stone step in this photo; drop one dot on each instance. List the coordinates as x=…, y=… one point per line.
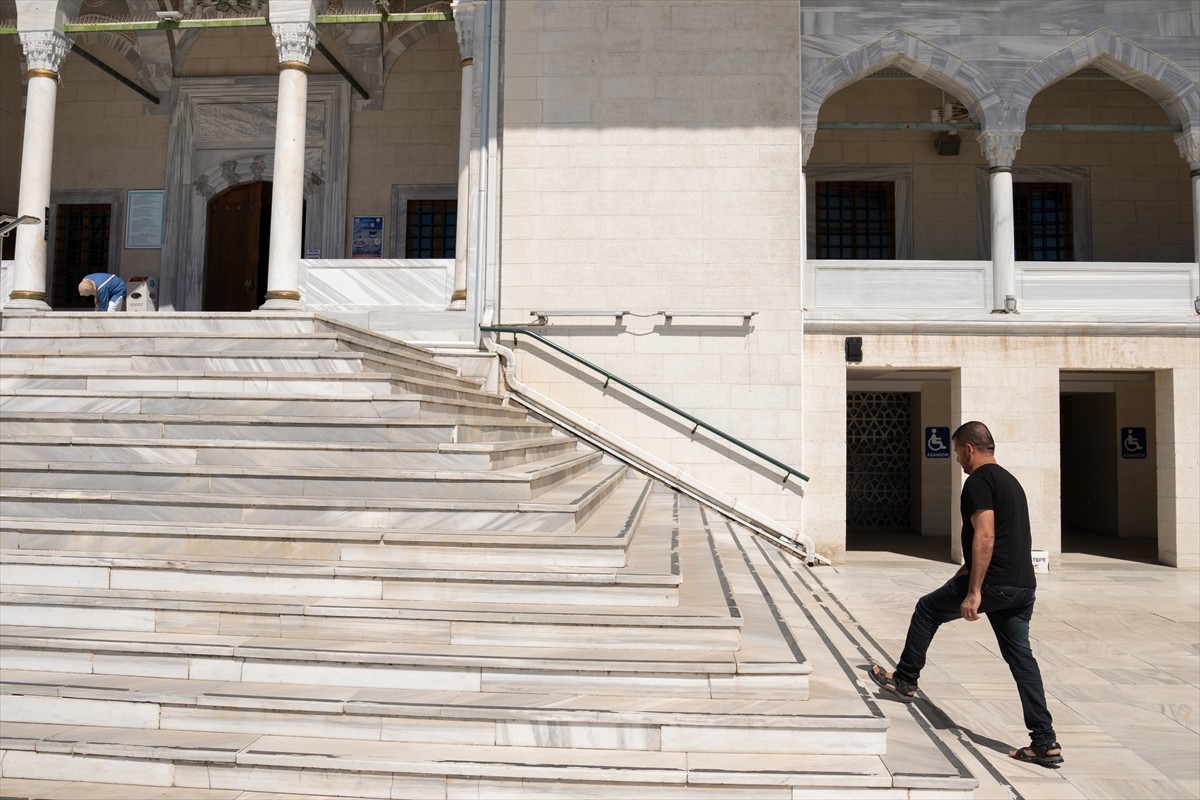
x=601, y=541
x=476, y=718
x=169, y=323
x=561, y=508
x=283, y=480
x=360, y=769
x=373, y=620
x=308, y=421
x=403, y=665
x=295, y=455
x=263, y=345
x=34, y=789
x=309, y=383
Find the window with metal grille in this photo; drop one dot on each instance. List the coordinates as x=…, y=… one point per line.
x=431, y=228
x=855, y=219
x=1043, y=226
x=80, y=248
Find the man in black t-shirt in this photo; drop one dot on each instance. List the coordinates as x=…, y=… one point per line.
x=996, y=580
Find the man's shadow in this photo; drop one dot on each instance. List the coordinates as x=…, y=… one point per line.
x=941, y=721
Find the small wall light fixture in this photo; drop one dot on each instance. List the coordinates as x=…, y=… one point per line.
x=1196, y=305
x=947, y=143
x=169, y=16
x=854, y=351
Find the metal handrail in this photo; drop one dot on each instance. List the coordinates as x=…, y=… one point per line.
x=609, y=377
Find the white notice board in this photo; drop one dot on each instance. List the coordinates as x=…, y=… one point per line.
x=144, y=219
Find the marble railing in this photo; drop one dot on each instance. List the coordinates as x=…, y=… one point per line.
x=376, y=283
x=963, y=286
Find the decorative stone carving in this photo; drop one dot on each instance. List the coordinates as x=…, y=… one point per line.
x=203, y=188
x=229, y=171
x=808, y=137
x=294, y=41
x=312, y=182
x=44, y=50
x=464, y=27
x=1189, y=147
x=999, y=147
x=258, y=167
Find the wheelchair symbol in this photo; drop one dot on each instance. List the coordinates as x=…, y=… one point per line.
x=1131, y=444
x=935, y=443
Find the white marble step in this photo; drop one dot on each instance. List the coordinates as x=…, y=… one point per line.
x=264, y=344
x=602, y=540
x=549, y=720
x=205, y=322
x=358, y=769
x=295, y=454
x=306, y=420
x=216, y=381
x=412, y=666
x=685, y=628
x=283, y=479
x=561, y=508
x=50, y=789
x=278, y=396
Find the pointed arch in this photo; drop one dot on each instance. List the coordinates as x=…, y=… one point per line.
x=1169, y=84
x=924, y=60
x=397, y=46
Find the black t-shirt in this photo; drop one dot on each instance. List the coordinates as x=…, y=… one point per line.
x=993, y=487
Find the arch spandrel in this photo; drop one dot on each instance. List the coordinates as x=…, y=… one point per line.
x=1177, y=91
x=920, y=58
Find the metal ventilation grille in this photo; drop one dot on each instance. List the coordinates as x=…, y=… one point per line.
x=878, y=460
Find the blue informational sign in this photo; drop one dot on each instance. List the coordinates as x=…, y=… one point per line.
x=937, y=442
x=1133, y=442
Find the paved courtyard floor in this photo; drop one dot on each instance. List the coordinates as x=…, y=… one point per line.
x=1118, y=640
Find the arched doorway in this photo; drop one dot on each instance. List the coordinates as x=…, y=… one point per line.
x=238, y=241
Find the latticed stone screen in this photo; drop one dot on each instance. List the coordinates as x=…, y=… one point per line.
x=878, y=460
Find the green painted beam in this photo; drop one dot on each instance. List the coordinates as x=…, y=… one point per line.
x=242, y=22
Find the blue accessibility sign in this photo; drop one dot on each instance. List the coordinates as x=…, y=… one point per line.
x=1133, y=442
x=937, y=442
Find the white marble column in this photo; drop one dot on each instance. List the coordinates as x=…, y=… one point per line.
x=44, y=53
x=464, y=26
x=294, y=42
x=1189, y=148
x=1000, y=149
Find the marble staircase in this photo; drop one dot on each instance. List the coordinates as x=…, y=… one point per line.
x=276, y=556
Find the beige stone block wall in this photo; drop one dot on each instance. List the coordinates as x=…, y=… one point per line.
x=1012, y=384
x=1137, y=479
x=237, y=51
x=939, y=514
x=650, y=164
x=413, y=139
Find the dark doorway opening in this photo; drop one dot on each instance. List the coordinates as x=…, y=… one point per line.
x=238, y=245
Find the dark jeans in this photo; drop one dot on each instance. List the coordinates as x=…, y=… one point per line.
x=1008, y=609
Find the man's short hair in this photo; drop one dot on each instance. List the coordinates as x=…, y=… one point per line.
x=975, y=434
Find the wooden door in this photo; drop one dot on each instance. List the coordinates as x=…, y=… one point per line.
x=235, y=262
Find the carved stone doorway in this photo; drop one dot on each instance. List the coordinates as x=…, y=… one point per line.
x=238, y=239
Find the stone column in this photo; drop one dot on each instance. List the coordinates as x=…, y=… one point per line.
x=44, y=53
x=294, y=42
x=464, y=26
x=1189, y=148
x=1000, y=149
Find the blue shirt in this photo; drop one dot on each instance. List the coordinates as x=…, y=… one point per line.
x=108, y=291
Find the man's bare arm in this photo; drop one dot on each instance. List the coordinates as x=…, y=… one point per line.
x=984, y=523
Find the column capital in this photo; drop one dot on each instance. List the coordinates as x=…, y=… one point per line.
x=464, y=27
x=808, y=138
x=294, y=41
x=1189, y=147
x=999, y=147
x=44, y=51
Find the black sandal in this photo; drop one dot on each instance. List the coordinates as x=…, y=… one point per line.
x=1039, y=754
x=891, y=684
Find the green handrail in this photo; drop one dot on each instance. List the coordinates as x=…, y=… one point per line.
x=608, y=376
